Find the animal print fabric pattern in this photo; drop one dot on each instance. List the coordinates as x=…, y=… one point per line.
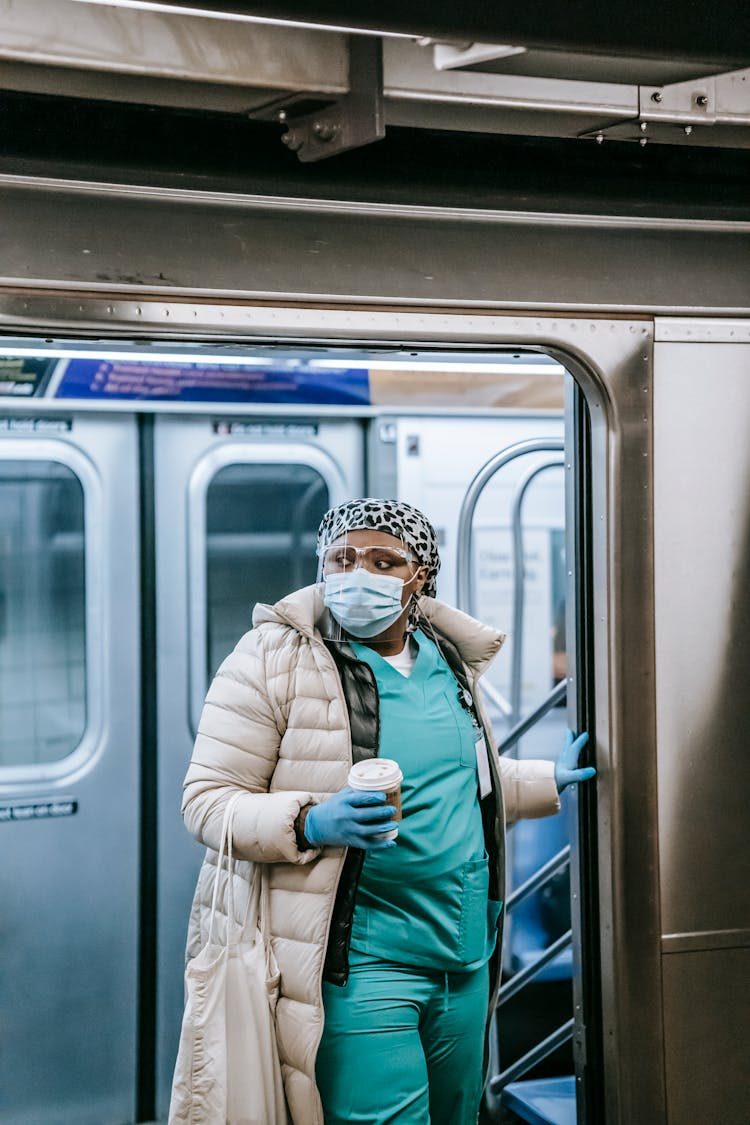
x=392, y=516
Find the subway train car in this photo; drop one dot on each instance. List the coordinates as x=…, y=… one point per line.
x=204, y=345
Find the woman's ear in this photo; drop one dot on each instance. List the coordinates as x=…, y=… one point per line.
x=420, y=579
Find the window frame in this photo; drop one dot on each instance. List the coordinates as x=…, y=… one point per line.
x=206, y=469
x=19, y=778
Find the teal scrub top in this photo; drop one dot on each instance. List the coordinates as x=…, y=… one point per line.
x=425, y=902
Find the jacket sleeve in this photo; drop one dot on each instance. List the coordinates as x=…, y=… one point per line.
x=529, y=788
x=237, y=747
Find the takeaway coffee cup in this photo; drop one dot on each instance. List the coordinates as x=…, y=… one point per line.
x=380, y=775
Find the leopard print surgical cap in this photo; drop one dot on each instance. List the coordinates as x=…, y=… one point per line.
x=393, y=516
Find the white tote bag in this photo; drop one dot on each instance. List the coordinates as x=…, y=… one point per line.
x=227, y=1070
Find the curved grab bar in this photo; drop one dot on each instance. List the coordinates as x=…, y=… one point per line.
x=519, y=593
x=473, y=492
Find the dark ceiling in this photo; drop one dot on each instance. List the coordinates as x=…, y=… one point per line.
x=42, y=135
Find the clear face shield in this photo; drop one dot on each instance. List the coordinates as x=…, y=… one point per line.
x=368, y=584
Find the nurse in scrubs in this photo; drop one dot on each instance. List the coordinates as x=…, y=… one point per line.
x=404, y=1041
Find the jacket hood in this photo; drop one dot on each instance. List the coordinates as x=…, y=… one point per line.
x=478, y=644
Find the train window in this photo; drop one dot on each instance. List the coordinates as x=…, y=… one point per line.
x=261, y=526
x=42, y=613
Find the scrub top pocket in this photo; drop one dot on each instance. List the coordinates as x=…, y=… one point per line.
x=465, y=731
x=475, y=888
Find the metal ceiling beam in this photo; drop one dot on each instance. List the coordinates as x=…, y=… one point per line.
x=717, y=33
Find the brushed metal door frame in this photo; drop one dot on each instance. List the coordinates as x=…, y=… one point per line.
x=612, y=361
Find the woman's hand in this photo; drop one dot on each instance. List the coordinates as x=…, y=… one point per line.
x=566, y=771
x=351, y=818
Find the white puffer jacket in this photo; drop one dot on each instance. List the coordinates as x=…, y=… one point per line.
x=275, y=725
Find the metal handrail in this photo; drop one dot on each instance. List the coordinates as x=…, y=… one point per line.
x=497, y=698
x=520, y=729
x=518, y=980
x=540, y=878
x=468, y=507
x=511, y=708
x=464, y=592
x=562, y=1035
x=519, y=580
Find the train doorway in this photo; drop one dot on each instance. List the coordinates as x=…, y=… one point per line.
x=187, y=517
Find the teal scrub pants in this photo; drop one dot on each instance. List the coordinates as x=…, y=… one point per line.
x=402, y=1046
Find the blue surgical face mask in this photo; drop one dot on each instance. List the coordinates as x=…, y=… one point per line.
x=364, y=604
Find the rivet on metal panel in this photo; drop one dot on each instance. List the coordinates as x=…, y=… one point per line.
x=644, y=126
x=688, y=130
x=643, y=141
x=656, y=96
x=293, y=140
x=701, y=100
x=325, y=130
x=600, y=138
x=356, y=119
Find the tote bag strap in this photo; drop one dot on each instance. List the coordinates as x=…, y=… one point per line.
x=225, y=848
x=264, y=903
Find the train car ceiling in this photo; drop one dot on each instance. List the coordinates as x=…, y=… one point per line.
x=686, y=89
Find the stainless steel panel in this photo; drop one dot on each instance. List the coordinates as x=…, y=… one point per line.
x=168, y=58
x=702, y=584
x=69, y=883
x=188, y=453
x=707, y=1030
x=130, y=241
x=706, y=939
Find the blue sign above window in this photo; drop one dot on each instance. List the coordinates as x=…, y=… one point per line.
x=213, y=382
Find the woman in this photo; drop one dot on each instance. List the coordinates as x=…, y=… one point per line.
x=387, y=949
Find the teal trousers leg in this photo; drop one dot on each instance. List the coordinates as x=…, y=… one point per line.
x=402, y=1046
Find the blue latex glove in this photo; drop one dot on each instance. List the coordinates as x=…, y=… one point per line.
x=566, y=767
x=351, y=818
